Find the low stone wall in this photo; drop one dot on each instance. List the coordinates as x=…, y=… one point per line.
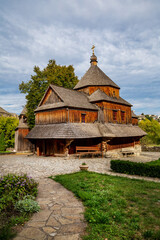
x=117, y=153
x=150, y=149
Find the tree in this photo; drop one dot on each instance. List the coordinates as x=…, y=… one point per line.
x=149, y=117
x=7, y=129
x=35, y=88
x=152, y=128
x=2, y=142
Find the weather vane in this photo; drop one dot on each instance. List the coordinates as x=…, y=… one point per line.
x=93, y=47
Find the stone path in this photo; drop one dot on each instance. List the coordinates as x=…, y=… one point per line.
x=60, y=218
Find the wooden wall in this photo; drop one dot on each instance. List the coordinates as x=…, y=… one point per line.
x=61, y=116
x=108, y=112
x=75, y=116
x=52, y=116
x=110, y=91
x=22, y=144
x=135, y=121
x=49, y=147
x=118, y=143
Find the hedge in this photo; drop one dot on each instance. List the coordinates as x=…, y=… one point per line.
x=133, y=168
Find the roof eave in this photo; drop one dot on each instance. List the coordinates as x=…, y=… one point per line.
x=77, y=88
x=111, y=102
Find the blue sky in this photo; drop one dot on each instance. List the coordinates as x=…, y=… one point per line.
x=126, y=34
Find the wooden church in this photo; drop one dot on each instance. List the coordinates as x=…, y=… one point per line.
x=90, y=118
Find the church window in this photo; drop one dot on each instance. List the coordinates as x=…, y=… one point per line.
x=114, y=115
x=122, y=115
x=83, y=116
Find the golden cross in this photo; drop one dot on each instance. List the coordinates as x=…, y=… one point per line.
x=93, y=47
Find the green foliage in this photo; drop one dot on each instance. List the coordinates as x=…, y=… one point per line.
x=151, y=235
x=133, y=168
x=35, y=88
x=13, y=189
x=6, y=233
x=116, y=208
x=27, y=205
x=2, y=142
x=7, y=129
x=149, y=117
x=152, y=128
x=156, y=162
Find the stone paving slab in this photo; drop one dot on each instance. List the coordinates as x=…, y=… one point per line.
x=57, y=219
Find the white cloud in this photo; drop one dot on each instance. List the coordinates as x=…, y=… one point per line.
x=126, y=34
x=13, y=103
x=146, y=105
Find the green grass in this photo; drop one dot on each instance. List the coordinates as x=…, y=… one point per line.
x=4, y=152
x=116, y=208
x=156, y=162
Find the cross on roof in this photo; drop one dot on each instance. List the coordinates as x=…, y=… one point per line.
x=93, y=47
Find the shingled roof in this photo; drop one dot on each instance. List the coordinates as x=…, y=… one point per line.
x=134, y=115
x=64, y=131
x=99, y=95
x=83, y=130
x=24, y=111
x=70, y=98
x=4, y=112
x=95, y=77
x=125, y=130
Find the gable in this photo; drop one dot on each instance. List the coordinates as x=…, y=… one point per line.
x=50, y=97
x=58, y=97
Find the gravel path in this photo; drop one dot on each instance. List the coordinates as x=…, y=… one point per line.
x=40, y=167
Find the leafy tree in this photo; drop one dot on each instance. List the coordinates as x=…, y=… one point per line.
x=149, y=117
x=35, y=88
x=7, y=128
x=152, y=128
x=2, y=142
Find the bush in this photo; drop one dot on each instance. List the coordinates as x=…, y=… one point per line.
x=14, y=188
x=142, y=169
x=27, y=205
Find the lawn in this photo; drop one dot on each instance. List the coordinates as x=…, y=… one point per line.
x=156, y=162
x=116, y=208
x=4, y=152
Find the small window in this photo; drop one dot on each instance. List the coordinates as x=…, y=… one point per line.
x=83, y=118
x=114, y=115
x=122, y=115
x=114, y=93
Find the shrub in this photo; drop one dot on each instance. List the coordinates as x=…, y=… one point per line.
x=14, y=188
x=6, y=233
x=27, y=205
x=133, y=168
